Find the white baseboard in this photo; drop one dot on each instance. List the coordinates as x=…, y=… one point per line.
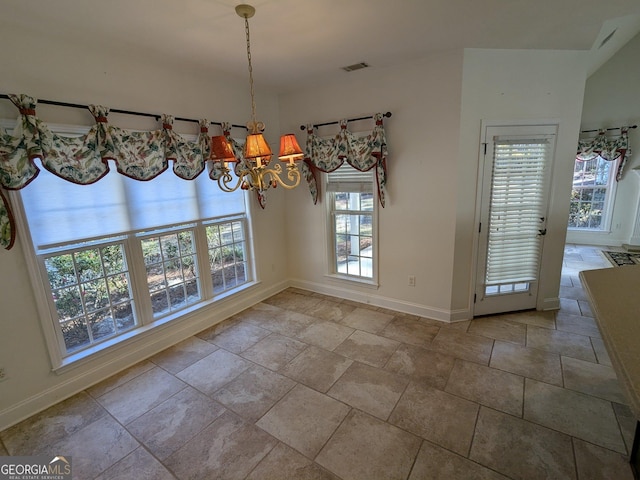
x=384, y=302
x=135, y=351
x=550, y=304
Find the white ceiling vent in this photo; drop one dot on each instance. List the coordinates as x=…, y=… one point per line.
x=355, y=66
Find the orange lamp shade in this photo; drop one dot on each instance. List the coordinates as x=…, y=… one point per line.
x=257, y=147
x=289, y=148
x=221, y=150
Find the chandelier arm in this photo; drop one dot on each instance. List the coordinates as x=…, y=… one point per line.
x=274, y=174
x=225, y=179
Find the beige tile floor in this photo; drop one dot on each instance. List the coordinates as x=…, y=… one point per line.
x=304, y=386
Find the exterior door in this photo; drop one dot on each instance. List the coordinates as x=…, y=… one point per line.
x=514, y=188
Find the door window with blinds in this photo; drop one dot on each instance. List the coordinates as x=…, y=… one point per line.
x=513, y=218
x=352, y=214
x=121, y=254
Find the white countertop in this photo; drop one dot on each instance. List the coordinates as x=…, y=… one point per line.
x=615, y=302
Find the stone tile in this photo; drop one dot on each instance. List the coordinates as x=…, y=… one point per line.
x=601, y=351
x=585, y=308
x=220, y=327
x=569, y=305
x=175, y=421
x=304, y=419
x=367, y=348
x=228, y=449
x=293, y=301
x=596, y=463
x=410, y=330
x=239, y=337
x=533, y=317
x=582, y=416
x=390, y=452
x=118, y=379
x=254, y=392
x=317, y=368
x=487, y=386
x=563, y=343
x=369, y=389
x=627, y=422
x=368, y=320
x=577, y=324
x=437, y=416
x=593, y=379
x=183, y=354
x=528, y=362
x=325, y=334
x=330, y=311
x=284, y=322
x=96, y=447
x=35, y=435
x=214, y=371
x=435, y=463
x=520, y=449
x=574, y=293
x=127, y=402
x=424, y=366
x=499, y=329
x=274, y=351
x=140, y=465
x=565, y=281
x=465, y=346
x=284, y=462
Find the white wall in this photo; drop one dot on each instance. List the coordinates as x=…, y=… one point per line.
x=611, y=99
x=54, y=70
x=514, y=86
x=417, y=226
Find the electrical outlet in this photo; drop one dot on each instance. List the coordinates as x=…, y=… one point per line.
x=412, y=280
x=3, y=374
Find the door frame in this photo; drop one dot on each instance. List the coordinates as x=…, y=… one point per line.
x=484, y=124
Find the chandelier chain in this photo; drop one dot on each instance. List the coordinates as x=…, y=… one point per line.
x=253, y=126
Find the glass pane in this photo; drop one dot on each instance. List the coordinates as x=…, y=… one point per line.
x=218, y=280
x=367, y=202
x=118, y=288
x=213, y=236
x=169, y=246
x=215, y=258
x=366, y=249
x=102, y=324
x=226, y=234
x=60, y=270
x=124, y=318
x=75, y=334
x=151, y=251
x=366, y=267
x=366, y=225
x=155, y=277
x=68, y=304
x=193, y=291
x=189, y=267
x=185, y=240
x=173, y=271
x=113, y=259
x=95, y=295
x=340, y=201
x=353, y=265
x=239, y=253
x=177, y=296
x=241, y=272
x=159, y=302
x=342, y=223
x=89, y=264
x=238, y=232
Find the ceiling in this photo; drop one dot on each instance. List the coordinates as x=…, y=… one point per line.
x=294, y=42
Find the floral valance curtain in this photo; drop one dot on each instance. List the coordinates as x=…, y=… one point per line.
x=361, y=152
x=609, y=148
x=83, y=159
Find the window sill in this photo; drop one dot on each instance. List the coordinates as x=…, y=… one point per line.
x=127, y=339
x=589, y=230
x=373, y=284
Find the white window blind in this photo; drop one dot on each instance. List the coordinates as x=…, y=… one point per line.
x=59, y=211
x=345, y=178
x=516, y=210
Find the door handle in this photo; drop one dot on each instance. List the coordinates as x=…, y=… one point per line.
x=542, y=233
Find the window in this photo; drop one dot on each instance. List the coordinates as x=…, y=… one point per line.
x=352, y=219
x=591, y=194
x=120, y=254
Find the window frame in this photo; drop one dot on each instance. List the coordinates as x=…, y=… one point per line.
x=609, y=200
x=330, y=231
x=146, y=324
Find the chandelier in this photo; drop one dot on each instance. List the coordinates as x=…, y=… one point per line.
x=252, y=168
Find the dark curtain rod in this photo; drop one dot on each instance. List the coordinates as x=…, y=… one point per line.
x=608, y=129
x=117, y=110
x=316, y=125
